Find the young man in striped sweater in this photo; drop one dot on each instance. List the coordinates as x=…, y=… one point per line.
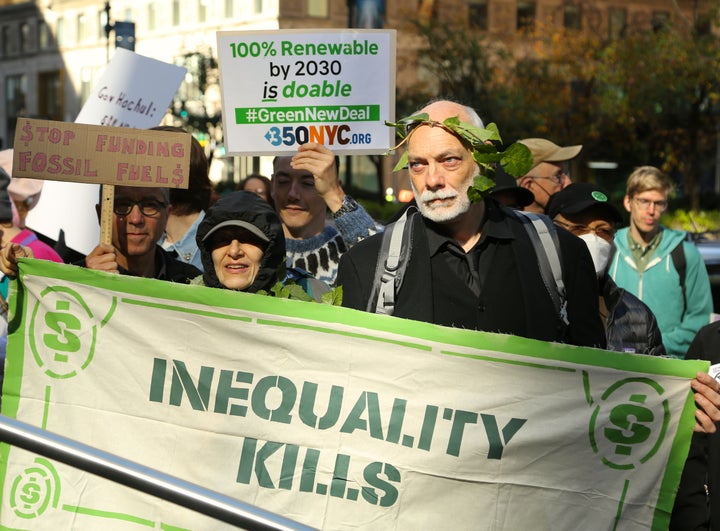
x=305, y=187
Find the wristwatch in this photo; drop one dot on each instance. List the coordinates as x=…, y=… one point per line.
x=348, y=205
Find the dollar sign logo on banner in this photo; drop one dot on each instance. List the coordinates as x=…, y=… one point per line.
x=62, y=332
x=628, y=423
x=631, y=420
x=62, y=340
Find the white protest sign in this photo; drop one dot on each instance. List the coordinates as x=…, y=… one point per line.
x=134, y=91
x=332, y=417
x=284, y=88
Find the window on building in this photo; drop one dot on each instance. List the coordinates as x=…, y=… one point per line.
x=128, y=14
x=703, y=24
x=60, y=31
x=101, y=23
x=50, y=95
x=525, y=14
x=229, y=8
x=258, y=7
x=660, y=20
x=317, y=8
x=9, y=40
x=151, y=23
x=15, y=97
x=176, y=13
x=44, y=35
x=617, y=22
x=572, y=16
x=25, y=42
x=202, y=10
x=81, y=28
x=3, y=41
x=478, y=14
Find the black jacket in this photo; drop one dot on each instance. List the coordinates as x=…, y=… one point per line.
x=513, y=300
x=167, y=267
x=702, y=467
x=631, y=325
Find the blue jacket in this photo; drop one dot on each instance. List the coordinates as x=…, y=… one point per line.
x=659, y=287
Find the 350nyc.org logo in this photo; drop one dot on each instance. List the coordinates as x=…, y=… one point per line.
x=629, y=423
x=62, y=332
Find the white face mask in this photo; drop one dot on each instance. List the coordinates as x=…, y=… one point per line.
x=600, y=250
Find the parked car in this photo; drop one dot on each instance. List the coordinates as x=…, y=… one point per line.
x=710, y=251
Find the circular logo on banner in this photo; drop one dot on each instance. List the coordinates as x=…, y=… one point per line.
x=628, y=424
x=36, y=489
x=62, y=333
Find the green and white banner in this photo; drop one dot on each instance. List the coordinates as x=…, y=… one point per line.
x=335, y=418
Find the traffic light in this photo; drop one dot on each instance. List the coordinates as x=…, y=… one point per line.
x=124, y=35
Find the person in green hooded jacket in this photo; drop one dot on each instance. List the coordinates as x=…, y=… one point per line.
x=645, y=266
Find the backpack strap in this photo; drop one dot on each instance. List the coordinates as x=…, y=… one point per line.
x=392, y=261
x=543, y=236
x=678, y=258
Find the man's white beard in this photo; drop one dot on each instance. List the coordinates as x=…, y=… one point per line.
x=443, y=213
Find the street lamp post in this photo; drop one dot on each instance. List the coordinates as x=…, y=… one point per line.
x=108, y=29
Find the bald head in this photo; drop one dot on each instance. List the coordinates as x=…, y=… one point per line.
x=442, y=109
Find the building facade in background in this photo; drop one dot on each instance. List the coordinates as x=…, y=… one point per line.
x=53, y=51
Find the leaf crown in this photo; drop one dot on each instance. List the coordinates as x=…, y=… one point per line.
x=480, y=141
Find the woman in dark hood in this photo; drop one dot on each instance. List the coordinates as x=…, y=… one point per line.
x=242, y=244
x=242, y=247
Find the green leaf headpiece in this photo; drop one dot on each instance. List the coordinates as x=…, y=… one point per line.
x=515, y=160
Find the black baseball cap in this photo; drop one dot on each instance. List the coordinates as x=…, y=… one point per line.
x=578, y=197
x=504, y=182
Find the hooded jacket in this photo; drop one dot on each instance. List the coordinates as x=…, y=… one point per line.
x=248, y=207
x=659, y=287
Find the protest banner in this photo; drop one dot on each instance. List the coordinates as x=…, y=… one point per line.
x=133, y=91
x=281, y=89
x=331, y=417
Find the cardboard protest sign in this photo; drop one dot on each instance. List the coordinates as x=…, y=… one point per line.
x=133, y=91
x=63, y=151
x=284, y=88
x=331, y=417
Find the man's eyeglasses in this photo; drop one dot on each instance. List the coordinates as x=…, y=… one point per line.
x=644, y=204
x=557, y=178
x=148, y=207
x=604, y=232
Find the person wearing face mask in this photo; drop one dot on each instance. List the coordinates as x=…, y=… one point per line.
x=584, y=210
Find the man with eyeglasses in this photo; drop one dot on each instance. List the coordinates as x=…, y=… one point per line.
x=644, y=263
x=548, y=174
x=140, y=215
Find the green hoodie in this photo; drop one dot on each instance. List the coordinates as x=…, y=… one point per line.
x=659, y=287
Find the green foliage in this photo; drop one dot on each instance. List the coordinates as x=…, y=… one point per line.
x=333, y=297
x=516, y=160
x=651, y=96
x=289, y=289
x=705, y=222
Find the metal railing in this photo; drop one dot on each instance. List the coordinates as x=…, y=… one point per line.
x=142, y=478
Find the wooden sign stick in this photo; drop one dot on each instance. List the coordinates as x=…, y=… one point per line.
x=106, y=213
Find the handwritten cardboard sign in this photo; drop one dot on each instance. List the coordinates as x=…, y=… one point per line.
x=62, y=151
x=282, y=89
x=134, y=91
